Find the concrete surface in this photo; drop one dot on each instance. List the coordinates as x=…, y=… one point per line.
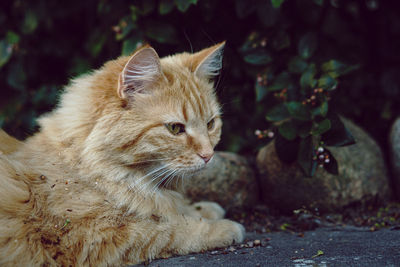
x=341, y=246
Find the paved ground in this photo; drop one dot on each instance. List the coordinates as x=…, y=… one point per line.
x=339, y=246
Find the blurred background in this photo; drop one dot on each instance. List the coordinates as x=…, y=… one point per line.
x=43, y=44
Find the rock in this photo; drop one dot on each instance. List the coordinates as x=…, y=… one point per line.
x=227, y=180
x=394, y=140
x=362, y=176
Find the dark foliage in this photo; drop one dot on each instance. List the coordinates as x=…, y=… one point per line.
x=284, y=64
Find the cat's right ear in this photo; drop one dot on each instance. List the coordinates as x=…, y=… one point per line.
x=141, y=71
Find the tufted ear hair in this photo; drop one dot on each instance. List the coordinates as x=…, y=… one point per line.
x=139, y=73
x=208, y=62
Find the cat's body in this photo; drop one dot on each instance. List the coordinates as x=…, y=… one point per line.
x=94, y=186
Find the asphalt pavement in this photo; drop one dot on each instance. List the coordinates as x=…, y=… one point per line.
x=334, y=246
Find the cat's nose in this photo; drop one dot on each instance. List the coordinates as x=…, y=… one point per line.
x=206, y=156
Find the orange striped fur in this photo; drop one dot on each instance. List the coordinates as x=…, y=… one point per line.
x=97, y=186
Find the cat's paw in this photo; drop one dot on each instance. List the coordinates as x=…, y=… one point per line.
x=226, y=232
x=209, y=210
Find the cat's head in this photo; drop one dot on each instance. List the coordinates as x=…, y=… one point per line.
x=169, y=120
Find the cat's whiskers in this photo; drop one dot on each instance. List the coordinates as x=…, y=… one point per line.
x=171, y=178
x=155, y=186
x=169, y=175
x=137, y=182
x=159, y=172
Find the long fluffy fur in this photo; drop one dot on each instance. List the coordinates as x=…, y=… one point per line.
x=97, y=185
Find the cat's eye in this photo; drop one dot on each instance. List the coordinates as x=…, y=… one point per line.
x=210, y=124
x=175, y=128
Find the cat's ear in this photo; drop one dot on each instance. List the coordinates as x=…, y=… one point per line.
x=208, y=62
x=141, y=71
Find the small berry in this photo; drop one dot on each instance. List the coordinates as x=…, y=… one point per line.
x=327, y=160
x=320, y=149
x=271, y=134
x=263, y=42
x=257, y=132
x=321, y=157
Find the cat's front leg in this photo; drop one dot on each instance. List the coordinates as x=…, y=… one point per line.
x=197, y=234
x=180, y=235
x=209, y=210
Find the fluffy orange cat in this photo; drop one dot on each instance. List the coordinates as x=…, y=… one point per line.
x=97, y=185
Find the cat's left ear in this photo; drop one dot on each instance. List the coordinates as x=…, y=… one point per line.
x=140, y=73
x=208, y=62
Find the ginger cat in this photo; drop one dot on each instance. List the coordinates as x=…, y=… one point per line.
x=97, y=185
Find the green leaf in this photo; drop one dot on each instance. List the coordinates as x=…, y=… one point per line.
x=338, y=135
x=298, y=111
x=331, y=167
x=288, y=130
x=307, y=45
x=307, y=78
x=277, y=3
x=336, y=68
x=5, y=52
x=12, y=37
x=165, y=6
x=258, y=57
x=278, y=113
x=327, y=82
x=305, y=156
x=285, y=149
x=161, y=32
x=281, y=81
x=79, y=65
x=183, y=5
x=95, y=43
x=30, y=22
x=129, y=45
x=261, y=92
x=322, y=110
x=16, y=75
x=297, y=65
x=333, y=66
x=321, y=127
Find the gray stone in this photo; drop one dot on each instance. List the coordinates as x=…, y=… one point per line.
x=227, y=180
x=362, y=176
x=395, y=155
